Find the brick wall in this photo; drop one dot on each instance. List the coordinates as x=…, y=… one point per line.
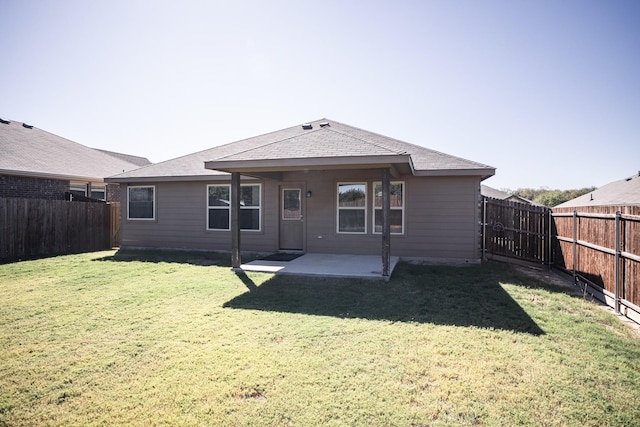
x=32, y=188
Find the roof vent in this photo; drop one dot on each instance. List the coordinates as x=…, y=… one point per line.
x=4, y=122
x=324, y=124
x=24, y=125
x=307, y=126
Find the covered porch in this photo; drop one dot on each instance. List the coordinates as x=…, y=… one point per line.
x=279, y=162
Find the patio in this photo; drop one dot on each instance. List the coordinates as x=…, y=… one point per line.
x=352, y=266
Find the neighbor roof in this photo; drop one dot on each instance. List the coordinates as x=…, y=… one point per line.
x=623, y=192
x=491, y=192
x=320, y=143
x=29, y=151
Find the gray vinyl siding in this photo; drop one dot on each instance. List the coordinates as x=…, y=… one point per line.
x=441, y=217
x=181, y=221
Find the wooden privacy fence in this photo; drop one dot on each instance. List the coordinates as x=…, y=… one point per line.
x=35, y=227
x=600, y=246
x=516, y=230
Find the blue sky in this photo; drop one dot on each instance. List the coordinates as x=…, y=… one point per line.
x=548, y=92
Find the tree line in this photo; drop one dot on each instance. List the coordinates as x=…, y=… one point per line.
x=548, y=197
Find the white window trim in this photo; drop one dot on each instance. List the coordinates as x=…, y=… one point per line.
x=338, y=208
x=259, y=207
x=373, y=217
x=153, y=218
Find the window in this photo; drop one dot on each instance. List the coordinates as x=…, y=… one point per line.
x=352, y=208
x=141, y=202
x=396, y=215
x=291, y=209
x=94, y=191
x=78, y=188
x=98, y=192
x=219, y=207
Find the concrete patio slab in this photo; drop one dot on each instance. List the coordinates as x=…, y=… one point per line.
x=328, y=265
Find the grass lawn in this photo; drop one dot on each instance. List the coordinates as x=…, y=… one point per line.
x=144, y=338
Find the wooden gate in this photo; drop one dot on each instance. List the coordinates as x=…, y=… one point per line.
x=516, y=230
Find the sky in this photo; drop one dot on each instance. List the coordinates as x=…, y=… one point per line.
x=547, y=92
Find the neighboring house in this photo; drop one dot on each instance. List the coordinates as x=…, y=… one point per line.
x=625, y=192
x=502, y=195
x=37, y=164
x=311, y=188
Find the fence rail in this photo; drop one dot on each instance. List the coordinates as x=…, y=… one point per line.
x=34, y=227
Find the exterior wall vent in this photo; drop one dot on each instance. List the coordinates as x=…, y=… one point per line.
x=324, y=124
x=307, y=126
x=24, y=125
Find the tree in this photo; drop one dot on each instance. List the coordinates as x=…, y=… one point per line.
x=551, y=198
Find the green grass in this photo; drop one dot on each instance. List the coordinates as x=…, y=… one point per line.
x=149, y=338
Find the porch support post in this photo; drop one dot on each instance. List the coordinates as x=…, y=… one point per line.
x=235, y=220
x=386, y=223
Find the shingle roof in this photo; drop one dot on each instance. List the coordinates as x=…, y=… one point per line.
x=333, y=139
x=135, y=160
x=623, y=192
x=487, y=191
x=491, y=192
x=31, y=151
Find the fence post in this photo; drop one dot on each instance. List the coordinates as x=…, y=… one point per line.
x=616, y=267
x=575, y=242
x=549, y=243
x=484, y=229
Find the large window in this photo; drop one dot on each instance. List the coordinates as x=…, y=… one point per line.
x=352, y=208
x=396, y=214
x=219, y=207
x=141, y=202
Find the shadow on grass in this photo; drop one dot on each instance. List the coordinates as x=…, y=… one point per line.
x=182, y=257
x=458, y=296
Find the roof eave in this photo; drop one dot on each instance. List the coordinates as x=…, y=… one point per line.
x=293, y=164
x=180, y=178
x=484, y=173
x=65, y=177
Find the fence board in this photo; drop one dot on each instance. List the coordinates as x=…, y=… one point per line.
x=584, y=245
x=34, y=227
x=596, y=230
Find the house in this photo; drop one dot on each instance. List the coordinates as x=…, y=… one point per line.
x=38, y=164
x=503, y=195
x=625, y=192
x=319, y=187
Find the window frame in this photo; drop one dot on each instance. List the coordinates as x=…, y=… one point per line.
x=355, y=208
x=228, y=208
x=373, y=218
x=153, y=201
